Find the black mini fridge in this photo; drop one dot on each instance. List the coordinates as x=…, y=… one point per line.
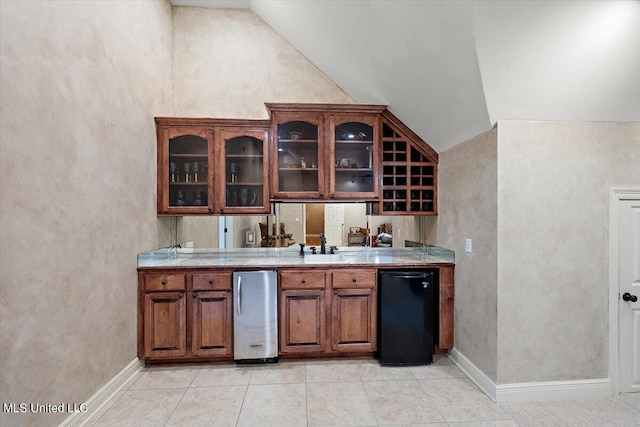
x=407, y=316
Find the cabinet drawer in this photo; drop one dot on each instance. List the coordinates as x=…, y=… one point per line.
x=353, y=279
x=218, y=280
x=297, y=279
x=164, y=282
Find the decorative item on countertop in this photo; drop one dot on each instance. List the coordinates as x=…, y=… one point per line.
x=303, y=164
x=344, y=163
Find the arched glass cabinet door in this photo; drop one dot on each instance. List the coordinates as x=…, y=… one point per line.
x=245, y=169
x=184, y=186
x=353, y=157
x=299, y=157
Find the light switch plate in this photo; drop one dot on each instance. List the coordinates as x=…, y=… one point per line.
x=468, y=245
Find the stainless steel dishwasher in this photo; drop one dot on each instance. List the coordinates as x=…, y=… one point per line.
x=255, y=316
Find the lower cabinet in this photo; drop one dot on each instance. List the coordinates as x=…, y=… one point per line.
x=302, y=305
x=165, y=325
x=353, y=310
x=212, y=330
x=445, y=307
x=185, y=316
x=188, y=315
x=327, y=312
x=302, y=320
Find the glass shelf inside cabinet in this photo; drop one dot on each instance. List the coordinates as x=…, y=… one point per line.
x=297, y=156
x=188, y=171
x=244, y=166
x=354, y=157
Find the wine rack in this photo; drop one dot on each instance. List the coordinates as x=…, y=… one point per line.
x=408, y=175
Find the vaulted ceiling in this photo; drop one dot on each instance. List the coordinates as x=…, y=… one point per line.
x=451, y=69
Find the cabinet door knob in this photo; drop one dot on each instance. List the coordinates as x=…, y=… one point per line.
x=211, y=281
x=354, y=280
x=195, y=295
x=303, y=281
x=164, y=282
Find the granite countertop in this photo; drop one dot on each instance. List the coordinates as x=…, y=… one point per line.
x=290, y=257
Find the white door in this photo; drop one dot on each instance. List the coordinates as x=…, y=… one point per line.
x=629, y=290
x=334, y=223
x=225, y=232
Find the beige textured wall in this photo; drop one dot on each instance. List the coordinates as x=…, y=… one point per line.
x=228, y=63
x=467, y=205
x=81, y=82
x=553, y=182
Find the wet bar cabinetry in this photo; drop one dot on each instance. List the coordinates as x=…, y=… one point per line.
x=325, y=151
x=185, y=315
x=409, y=171
x=327, y=311
x=304, y=152
x=212, y=166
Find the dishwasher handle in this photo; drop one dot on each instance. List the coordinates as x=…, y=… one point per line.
x=410, y=275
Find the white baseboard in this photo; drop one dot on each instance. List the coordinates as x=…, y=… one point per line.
x=532, y=391
x=486, y=384
x=102, y=396
x=553, y=390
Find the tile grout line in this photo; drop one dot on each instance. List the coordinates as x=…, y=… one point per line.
x=183, y=395
x=244, y=397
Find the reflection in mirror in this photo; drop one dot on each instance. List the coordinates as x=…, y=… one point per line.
x=343, y=224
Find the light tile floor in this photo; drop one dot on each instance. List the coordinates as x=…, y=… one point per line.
x=355, y=392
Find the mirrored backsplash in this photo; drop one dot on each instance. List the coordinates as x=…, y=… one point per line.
x=342, y=224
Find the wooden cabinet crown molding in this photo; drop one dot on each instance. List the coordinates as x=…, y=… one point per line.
x=326, y=108
x=211, y=122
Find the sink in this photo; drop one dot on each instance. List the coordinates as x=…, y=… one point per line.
x=325, y=259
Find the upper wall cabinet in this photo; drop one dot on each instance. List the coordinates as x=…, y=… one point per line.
x=208, y=166
x=305, y=152
x=409, y=171
x=184, y=161
x=298, y=156
x=325, y=151
x=353, y=156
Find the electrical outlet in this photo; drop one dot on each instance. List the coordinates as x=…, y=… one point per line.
x=468, y=245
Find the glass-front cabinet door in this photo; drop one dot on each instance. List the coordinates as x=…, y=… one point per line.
x=299, y=158
x=244, y=172
x=353, y=157
x=184, y=162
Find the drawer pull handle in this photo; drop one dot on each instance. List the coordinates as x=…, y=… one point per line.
x=164, y=282
x=304, y=281
x=195, y=295
x=354, y=280
x=211, y=282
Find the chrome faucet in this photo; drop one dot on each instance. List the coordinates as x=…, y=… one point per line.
x=323, y=244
